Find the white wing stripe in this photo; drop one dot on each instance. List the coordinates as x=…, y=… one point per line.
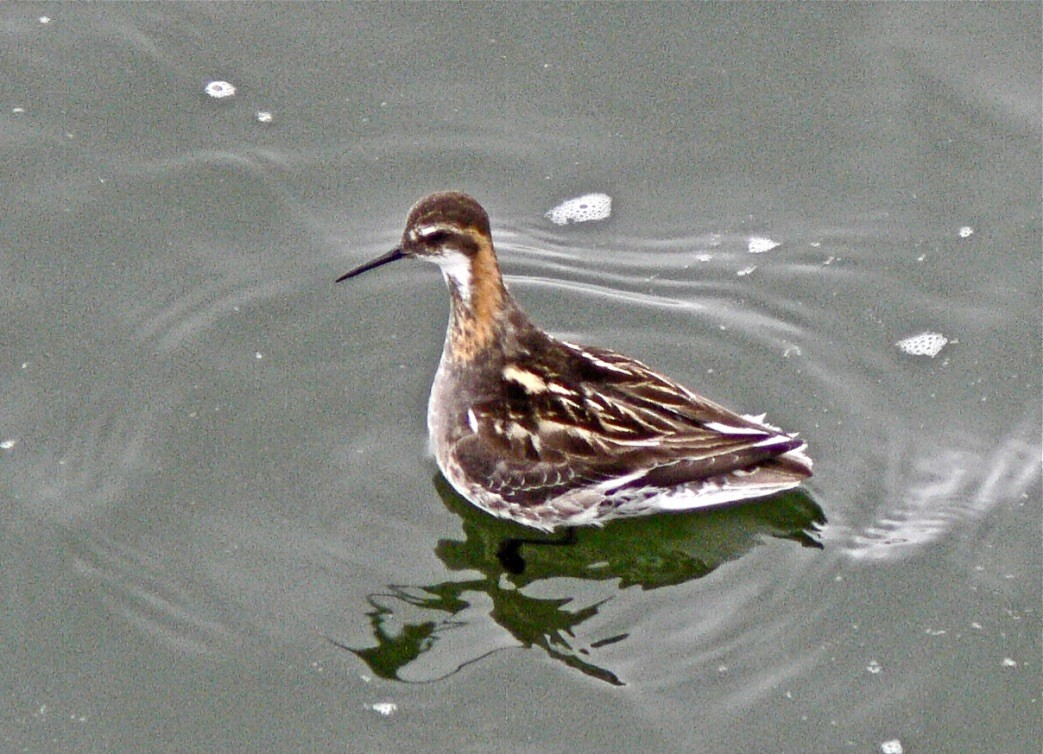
x=726, y=429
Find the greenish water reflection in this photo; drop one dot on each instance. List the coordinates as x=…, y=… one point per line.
x=651, y=552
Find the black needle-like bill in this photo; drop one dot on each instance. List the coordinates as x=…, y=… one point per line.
x=391, y=256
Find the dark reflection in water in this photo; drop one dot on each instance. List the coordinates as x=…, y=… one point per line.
x=651, y=552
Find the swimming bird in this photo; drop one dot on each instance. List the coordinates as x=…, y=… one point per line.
x=551, y=434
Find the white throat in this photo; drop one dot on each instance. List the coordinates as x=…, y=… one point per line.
x=456, y=269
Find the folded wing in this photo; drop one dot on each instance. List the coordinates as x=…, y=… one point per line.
x=591, y=418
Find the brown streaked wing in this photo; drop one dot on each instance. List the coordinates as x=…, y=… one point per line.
x=603, y=415
x=619, y=406
x=520, y=480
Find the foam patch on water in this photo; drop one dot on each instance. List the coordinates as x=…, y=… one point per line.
x=220, y=89
x=924, y=344
x=582, y=209
x=386, y=709
x=760, y=244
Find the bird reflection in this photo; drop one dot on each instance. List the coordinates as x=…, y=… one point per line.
x=409, y=623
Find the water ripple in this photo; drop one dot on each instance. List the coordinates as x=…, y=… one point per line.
x=198, y=311
x=953, y=485
x=137, y=588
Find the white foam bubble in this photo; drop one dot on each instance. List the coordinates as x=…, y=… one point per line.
x=220, y=89
x=384, y=708
x=760, y=244
x=924, y=344
x=582, y=209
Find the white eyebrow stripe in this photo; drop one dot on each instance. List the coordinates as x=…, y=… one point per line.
x=429, y=230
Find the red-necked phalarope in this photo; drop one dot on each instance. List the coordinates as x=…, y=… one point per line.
x=547, y=433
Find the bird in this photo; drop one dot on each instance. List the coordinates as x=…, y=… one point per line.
x=550, y=434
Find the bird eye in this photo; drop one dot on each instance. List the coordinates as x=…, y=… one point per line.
x=436, y=237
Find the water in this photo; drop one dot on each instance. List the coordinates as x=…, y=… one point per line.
x=221, y=527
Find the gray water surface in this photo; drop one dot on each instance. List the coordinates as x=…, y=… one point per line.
x=222, y=530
